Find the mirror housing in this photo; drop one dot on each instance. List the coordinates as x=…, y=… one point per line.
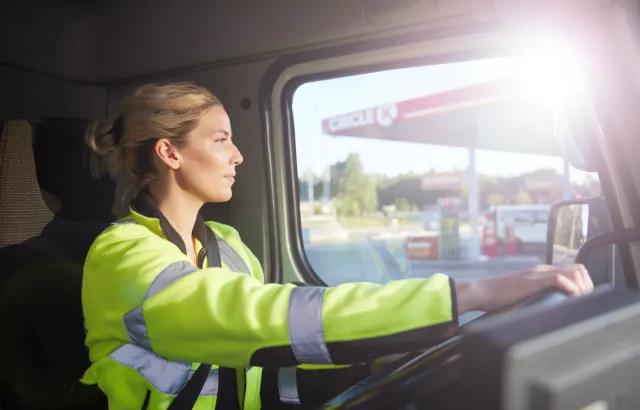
x=576, y=130
x=571, y=223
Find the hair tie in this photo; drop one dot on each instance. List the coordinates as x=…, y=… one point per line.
x=117, y=130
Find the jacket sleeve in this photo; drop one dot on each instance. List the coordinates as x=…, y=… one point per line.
x=218, y=316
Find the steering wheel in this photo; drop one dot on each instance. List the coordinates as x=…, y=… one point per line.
x=424, y=372
x=549, y=298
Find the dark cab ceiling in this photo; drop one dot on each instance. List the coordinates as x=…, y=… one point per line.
x=98, y=41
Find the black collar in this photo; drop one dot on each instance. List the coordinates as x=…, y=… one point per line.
x=145, y=205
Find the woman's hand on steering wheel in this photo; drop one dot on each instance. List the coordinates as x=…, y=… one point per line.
x=500, y=292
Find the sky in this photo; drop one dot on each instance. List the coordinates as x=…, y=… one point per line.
x=317, y=100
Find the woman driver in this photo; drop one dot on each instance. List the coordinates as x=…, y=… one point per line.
x=164, y=290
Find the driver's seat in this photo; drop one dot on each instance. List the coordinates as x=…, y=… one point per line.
x=42, y=352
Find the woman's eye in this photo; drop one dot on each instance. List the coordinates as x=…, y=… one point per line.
x=222, y=139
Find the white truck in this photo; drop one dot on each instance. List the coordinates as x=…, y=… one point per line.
x=529, y=223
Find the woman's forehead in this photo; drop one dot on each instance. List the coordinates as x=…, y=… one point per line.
x=217, y=118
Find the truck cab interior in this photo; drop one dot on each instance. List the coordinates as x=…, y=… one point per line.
x=314, y=91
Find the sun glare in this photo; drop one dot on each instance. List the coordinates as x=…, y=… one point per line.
x=551, y=73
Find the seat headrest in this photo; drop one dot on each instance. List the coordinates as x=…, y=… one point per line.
x=23, y=212
x=62, y=168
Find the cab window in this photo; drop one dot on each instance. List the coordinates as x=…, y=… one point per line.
x=442, y=168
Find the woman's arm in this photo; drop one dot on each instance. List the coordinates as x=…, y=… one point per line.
x=145, y=286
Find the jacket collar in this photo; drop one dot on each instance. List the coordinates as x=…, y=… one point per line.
x=145, y=212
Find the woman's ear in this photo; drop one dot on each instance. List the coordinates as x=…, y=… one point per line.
x=168, y=153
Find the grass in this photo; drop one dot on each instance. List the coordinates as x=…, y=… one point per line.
x=361, y=222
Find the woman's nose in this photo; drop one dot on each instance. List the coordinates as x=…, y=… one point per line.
x=236, y=156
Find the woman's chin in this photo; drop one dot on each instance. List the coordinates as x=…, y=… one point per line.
x=220, y=197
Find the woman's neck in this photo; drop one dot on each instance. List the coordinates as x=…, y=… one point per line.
x=180, y=209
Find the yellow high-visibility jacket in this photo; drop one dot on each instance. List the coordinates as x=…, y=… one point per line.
x=152, y=317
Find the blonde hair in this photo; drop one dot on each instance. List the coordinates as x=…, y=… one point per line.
x=151, y=113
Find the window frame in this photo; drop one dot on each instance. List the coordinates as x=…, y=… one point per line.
x=309, y=275
x=287, y=257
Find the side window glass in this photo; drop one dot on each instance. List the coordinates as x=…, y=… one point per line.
x=444, y=168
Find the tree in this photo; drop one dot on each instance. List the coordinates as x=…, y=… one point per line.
x=355, y=192
x=523, y=198
x=403, y=187
x=409, y=188
x=589, y=187
x=494, y=199
x=402, y=205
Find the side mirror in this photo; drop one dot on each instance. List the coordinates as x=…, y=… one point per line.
x=571, y=223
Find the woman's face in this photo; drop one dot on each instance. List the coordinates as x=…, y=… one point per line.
x=208, y=160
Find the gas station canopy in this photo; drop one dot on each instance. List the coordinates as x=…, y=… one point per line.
x=490, y=116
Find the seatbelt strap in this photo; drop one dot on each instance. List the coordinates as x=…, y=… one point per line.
x=186, y=399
